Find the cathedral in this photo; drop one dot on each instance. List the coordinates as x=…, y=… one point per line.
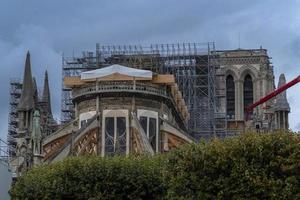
x=118, y=111
x=145, y=104
x=244, y=77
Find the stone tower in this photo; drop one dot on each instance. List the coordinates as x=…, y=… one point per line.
x=281, y=107
x=244, y=77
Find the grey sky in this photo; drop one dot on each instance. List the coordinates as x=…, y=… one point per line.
x=5, y=177
x=48, y=28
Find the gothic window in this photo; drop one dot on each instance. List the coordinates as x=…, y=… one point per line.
x=248, y=91
x=143, y=121
x=121, y=134
x=109, y=135
x=149, y=122
x=230, y=97
x=149, y=125
x=115, y=135
x=152, y=132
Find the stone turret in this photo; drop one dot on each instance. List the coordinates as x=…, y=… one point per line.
x=281, y=107
x=26, y=104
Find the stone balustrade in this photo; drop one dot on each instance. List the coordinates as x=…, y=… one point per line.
x=114, y=87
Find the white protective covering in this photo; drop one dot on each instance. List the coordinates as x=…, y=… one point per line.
x=106, y=71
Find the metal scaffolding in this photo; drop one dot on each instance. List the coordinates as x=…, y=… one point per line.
x=15, y=94
x=4, y=152
x=193, y=65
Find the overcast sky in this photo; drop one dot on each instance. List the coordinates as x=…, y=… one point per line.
x=49, y=28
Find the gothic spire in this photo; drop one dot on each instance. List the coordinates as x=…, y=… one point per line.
x=35, y=91
x=281, y=100
x=46, y=94
x=26, y=100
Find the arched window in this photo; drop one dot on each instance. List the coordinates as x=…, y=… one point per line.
x=115, y=135
x=115, y=132
x=248, y=91
x=149, y=122
x=230, y=97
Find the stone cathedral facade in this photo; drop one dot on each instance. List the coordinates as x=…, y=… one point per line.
x=120, y=110
x=244, y=77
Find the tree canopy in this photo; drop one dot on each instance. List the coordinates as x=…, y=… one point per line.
x=250, y=166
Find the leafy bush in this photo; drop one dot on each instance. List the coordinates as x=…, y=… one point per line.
x=251, y=166
x=92, y=178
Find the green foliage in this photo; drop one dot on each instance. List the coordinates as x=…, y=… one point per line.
x=251, y=166
x=93, y=178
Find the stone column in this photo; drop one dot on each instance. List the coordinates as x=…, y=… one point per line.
x=283, y=117
x=256, y=96
x=265, y=92
x=239, y=100
x=97, y=98
x=264, y=86
x=97, y=104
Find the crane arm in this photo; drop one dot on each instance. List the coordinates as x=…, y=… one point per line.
x=272, y=94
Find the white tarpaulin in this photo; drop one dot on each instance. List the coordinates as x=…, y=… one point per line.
x=106, y=71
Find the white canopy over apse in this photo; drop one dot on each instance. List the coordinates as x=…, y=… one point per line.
x=116, y=69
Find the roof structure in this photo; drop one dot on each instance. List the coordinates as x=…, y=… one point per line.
x=115, y=71
x=26, y=100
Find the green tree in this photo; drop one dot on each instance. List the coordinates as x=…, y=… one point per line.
x=93, y=178
x=251, y=166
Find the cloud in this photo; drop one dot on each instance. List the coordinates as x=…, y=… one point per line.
x=298, y=126
x=48, y=28
x=43, y=56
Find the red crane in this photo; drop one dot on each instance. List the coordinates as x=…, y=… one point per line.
x=271, y=95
